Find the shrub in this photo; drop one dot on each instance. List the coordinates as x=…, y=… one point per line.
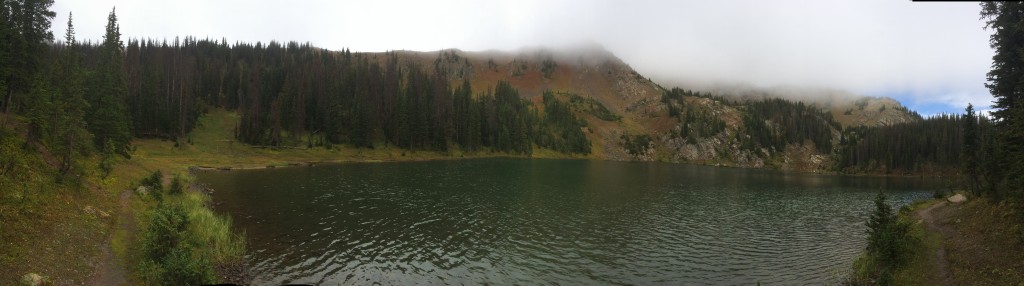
x=165, y=232
x=889, y=240
x=154, y=182
x=636, y=145
x=172, y=255
x=107, y=162
x=186, y=266
x=177, y=187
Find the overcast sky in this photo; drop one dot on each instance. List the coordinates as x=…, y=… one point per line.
x=931, y=56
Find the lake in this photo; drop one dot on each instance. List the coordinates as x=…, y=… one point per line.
x=576, y=222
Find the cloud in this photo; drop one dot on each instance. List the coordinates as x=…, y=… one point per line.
x=928, y=53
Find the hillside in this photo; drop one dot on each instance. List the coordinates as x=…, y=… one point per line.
x=597, y=75
x=592, y=74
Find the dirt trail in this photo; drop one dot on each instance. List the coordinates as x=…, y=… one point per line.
x=939, y=259
x=108, y=269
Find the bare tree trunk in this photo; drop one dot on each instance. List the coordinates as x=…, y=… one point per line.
x=7, y=103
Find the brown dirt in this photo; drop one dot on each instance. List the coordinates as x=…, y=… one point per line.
x=109, y=269
x=939, y=259
x=982, y=242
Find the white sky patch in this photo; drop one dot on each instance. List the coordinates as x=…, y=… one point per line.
x=924, y=51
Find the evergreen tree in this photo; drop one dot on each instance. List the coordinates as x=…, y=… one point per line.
x=6, y=48
x=38, y=106
x=969, y=153
x=68, y=115
x=108, y=117
x=28, y=34
x=1005, y=19
x=889, y=240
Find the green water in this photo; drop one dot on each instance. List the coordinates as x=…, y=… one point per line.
x=513, y=221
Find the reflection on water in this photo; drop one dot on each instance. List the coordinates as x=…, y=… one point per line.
x=511, y=221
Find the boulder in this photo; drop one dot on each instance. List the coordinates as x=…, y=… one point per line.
x=958, y=198
x=142, y=191
x=32, y=279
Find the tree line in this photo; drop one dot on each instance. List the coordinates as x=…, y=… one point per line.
x=932, y=144
x=292, y=94
x=286, y=94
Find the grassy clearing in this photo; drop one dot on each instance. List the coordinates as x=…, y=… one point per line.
x=213, y=145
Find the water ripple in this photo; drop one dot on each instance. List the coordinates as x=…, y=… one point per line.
x=548, y=222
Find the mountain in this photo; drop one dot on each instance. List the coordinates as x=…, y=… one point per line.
x=642, y=114
x=594, y=75
x=581, y=102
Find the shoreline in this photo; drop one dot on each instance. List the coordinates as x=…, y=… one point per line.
x=304, y=163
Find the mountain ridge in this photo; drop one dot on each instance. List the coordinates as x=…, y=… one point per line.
x=600, y=75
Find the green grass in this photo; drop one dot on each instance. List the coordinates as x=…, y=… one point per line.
x=213, y=145
x=920, y=268
x=213, y=230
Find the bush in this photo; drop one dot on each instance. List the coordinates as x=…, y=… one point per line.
x=184, y=266
x=636, y=145
x=172, y=256
x=165, y=232
x=107, y=162
x=177, y=187
x=154, y=182
x=889, y=241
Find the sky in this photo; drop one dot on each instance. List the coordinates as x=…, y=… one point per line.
x=931, y=56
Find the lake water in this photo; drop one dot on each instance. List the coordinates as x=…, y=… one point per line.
x=577, y=222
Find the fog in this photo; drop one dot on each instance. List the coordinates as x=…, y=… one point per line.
x=931, y=56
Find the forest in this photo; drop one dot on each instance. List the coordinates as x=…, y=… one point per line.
x=933, y=144
x=287, y=94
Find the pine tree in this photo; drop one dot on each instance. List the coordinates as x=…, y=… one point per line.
x=969, y=153
x=108, y=119
x=889, y=240
x=6, y=46
x=28, y=34
x=1004, y=83
x=69, y=108
x=38, y=105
